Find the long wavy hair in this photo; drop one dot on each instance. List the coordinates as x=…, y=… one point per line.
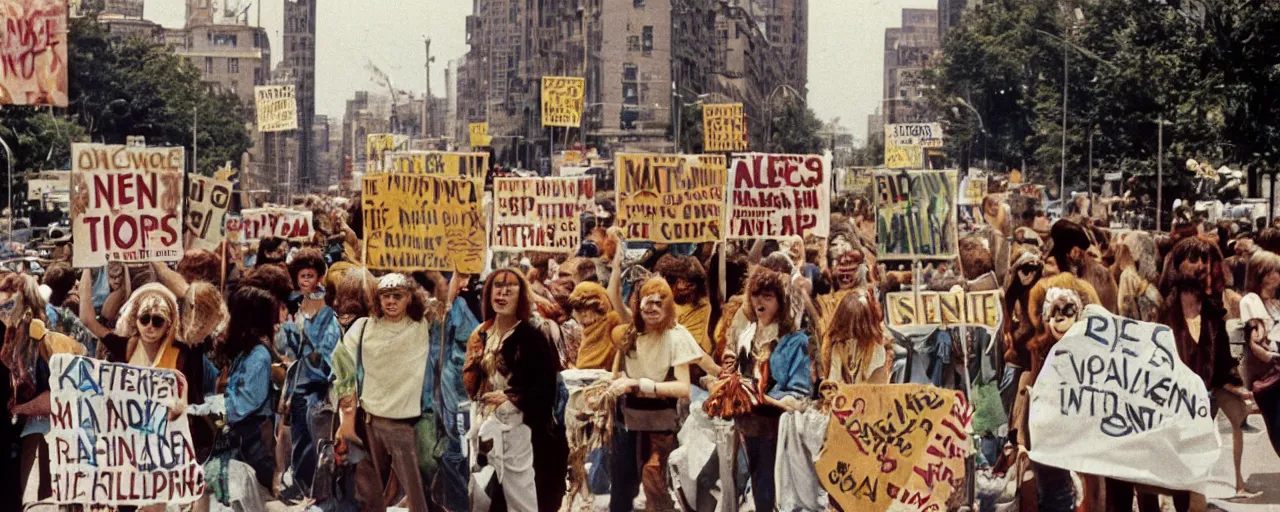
x=417, y=308
x=524, y=298
x=1184, y=250
x=20, y=352
x=858, y=323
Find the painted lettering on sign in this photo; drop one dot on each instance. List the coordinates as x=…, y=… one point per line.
x=126, y=204
x=416, y=221
x=671, y=198
x=779, y=196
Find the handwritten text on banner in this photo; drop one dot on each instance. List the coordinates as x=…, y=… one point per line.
x=779, y=196
x=916, y=214
x=207, y=203
x=562, y=101
x=111, y=441
x=1114, y=399
x=258, y=223
x=126, y=203
x=898, y=447
x=417, y=222
x=724, y=128
x=33, y=59
x=277, y=107
x=671, y=198
x=444, y=163
x=540, y=214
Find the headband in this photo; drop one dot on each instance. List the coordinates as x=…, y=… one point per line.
x=393, y=280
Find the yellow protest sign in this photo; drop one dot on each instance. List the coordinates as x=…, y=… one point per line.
x=444, y=163
x=377, y=147
x=479, y=135
x=895, y=447
x=944, y=308
x=904, y=144
x=724, y=128
x=668, y=198
x=562, y=100
x=416, y=222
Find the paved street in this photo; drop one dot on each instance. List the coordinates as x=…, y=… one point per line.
x=1261, y=468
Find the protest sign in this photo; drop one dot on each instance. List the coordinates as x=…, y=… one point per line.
x=110, y=439
x=1114, y=399
x=857, y=182
x=916, y=214
x=724, y=128
x=904, y=144
x=444, y=163
x=671, y=198
x=562, y=101
x=540, y=214
x=895, y=447
x=424, y=222
x=207, y=203
x=479, y=133
x=258, y=223
x=779, y=196
x=376, y=148
x=277, y=107
x=33, y=59
x=126, y=203
x=54, y=185
x=944, y=308
x=973, y=189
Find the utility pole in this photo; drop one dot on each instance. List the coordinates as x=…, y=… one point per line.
x=1062, y=180
x=1160, y=174
x=426, y=103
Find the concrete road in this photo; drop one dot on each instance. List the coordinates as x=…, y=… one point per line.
x=1259, y=465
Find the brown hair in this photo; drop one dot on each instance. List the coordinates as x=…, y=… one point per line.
x=200, y=265
x=417, y=309
x=1185, y=248
x=524, y=299
x=60, y=278
x=271, y=278
x=308, y=258
x=654, y=285
x=859, y=322
x=674, y=267
x=768, y=282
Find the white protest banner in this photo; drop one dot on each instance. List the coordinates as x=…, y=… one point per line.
x=126, y=203
x=779, y=196
x=33, y=59
x=540, y=214
x=207, y=203
x=1114, y=399
x=258, y=223
x=277, y=107
x=111, y=441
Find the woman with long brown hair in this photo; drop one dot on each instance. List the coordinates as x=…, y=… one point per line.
x=774, y=354
x=651, y=373
x=510, y=374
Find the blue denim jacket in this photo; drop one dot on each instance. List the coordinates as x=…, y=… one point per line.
x=323, y=332
x=790, y=368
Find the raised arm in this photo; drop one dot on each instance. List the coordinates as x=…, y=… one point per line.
x=615, y=289
x=87, y=315
x=170, y=279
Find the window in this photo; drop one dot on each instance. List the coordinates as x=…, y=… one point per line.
x=233, y=65
x=633, y=43
x=257, y=76
x=630, y=98
x=647, y=45
x=637, y=3
x=224, y=39
x=208, y=64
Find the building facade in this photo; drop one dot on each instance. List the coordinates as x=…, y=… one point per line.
x=659, y=58
x=908, y=50
x=299, y=47
x=365, y=114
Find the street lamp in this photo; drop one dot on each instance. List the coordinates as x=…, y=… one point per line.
x=768, y=134
x=9, y=158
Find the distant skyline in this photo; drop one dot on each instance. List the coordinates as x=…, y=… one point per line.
x=846, y=48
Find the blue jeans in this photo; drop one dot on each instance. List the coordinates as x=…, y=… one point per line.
x=1056, y=491
x=304, y=454
x=762, y=452
x=253, y=451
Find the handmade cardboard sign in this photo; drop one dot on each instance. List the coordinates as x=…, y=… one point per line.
x=126, y=204
x=540, y=214
x=671, y=198
x=424, y=222
x=779, y=196
x=895, y=447
x=111, y=440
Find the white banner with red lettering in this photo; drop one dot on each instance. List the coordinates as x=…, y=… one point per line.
x=126, y=203
x=258, y=223
x=779, y=196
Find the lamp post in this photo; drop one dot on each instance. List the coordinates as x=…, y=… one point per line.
x=9, y=158
x=768, y=134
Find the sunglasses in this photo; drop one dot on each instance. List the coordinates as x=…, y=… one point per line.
x=156, y=321
x=1066, y=310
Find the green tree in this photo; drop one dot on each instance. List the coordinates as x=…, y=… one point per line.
x=795, y=129
x=123, y=87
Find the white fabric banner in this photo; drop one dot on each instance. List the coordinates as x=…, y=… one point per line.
x=1115, y=400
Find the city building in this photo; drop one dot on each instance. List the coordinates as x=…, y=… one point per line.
x=950, y=14
x=365, y=114
x=908, y=50
x=299, y=65
x=658, y=55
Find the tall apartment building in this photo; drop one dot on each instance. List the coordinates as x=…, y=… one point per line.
x=950, y=13
x=908, y=50
x=642, y=60
x=299, y=47
x=365, y=114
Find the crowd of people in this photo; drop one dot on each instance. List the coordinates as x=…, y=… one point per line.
x=315, y=380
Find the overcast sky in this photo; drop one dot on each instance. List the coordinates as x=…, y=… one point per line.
x=846, y=44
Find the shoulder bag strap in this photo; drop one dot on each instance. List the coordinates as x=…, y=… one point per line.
x=360, y=361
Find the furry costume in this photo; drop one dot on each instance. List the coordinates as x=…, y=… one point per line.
x=1043, y=342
